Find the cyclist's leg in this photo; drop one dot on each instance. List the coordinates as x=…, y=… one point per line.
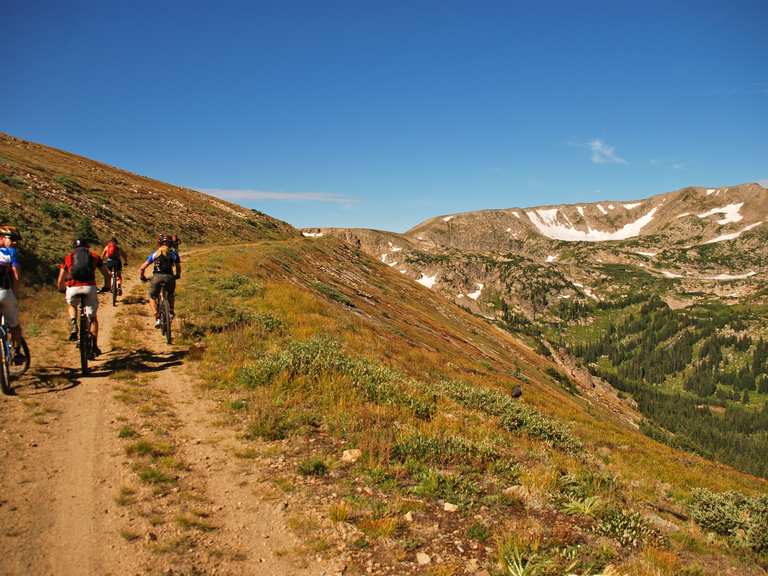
x=72, y=302
x=9, y=307
x=91, y=308
x=171, y=289
x=154, y=293
x=119, y=275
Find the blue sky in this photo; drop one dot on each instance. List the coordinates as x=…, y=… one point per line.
x=383, y=114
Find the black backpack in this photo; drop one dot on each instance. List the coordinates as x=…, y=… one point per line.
x=163, y=264
x=82, y=269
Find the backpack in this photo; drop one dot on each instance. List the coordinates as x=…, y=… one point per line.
x=163, y=264
x=82, y=269
x=113, y=251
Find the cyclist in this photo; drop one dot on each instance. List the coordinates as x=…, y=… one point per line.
x=166, y=270
x=115, y=258
x=175, y=241
x=9, y=284
x=77, y=277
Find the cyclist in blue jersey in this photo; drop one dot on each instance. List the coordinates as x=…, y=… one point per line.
x=166, y=269
x=9, y=283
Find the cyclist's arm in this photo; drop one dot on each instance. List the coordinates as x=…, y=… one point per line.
x=61, y=281
x=146, y=263
x=178, y=270
x=16, y=277
x=104, y=253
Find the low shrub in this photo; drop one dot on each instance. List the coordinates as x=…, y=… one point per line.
x=731, y=514
x=513, y=416
x=627, y=527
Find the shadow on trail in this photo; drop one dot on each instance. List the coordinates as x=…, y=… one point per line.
x=141, y=361
x=128, y=300
x=46, y=380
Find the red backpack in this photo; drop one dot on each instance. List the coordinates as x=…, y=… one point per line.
x=113, y=251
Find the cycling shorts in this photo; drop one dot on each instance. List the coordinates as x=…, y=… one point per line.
x=157, y=282
x=114, y=264
x=9, y=306
x=91, y=300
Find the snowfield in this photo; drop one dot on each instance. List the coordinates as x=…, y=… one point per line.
x=631, y=206
x=312, y=234
x=732, y=235
x=545, y=220
x=732, y=213
x=730, y=276
x=476, y=294
x=603, y=210
x=427, y=281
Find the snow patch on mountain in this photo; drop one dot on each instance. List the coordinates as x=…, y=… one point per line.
x=476, y=294
x=732, y=235
x=668, y=274
x=603, y=210
x=447, y=218
x=516, y=215
x=731, y=276
x=427, y=281
x=580, y=210
x=632, y=206
x=545, y=220
x=312, y=234
x=649, y=254
x=732, y=213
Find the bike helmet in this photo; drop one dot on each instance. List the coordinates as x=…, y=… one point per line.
x=81, y=242
x=114, y=240
x=10, y=232
x=163, y=240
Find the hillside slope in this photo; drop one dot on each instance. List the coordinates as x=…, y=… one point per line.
x=322, y=351
x=47, y=193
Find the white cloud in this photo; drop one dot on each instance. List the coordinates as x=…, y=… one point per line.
x=238, y=194
x=602, y=153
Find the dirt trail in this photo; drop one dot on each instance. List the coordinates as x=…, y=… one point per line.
x=60, y=466
x=64, y=467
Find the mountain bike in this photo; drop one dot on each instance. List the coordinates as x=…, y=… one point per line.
x=164, y=308
x=113, y=286
x=85, y=341
x=11, y=369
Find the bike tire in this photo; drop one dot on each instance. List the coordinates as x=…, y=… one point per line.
x=18, y=371
x=85, y=343
x=5, y=373
x=114, y=289
x=166, y=320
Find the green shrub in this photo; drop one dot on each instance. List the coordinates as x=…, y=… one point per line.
x=11, y=181
x=731, y=514
x=627, y=527
x=69, y=183
x=479, y=532
x=240, y=285
x=313, y=467
x=454, y=488
x=332, y=293
x=319, y=357
x=514, y=416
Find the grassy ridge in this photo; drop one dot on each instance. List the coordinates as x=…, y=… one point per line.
x=47, y=193
x=306, y=340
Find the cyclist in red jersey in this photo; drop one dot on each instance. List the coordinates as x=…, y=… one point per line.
x=115, y=258
x=77, y=277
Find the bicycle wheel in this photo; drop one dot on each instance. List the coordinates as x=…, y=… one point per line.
x=5, y=373
x=165, y=316
x=18, y=370
x=85, y=342
x=114, y=289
